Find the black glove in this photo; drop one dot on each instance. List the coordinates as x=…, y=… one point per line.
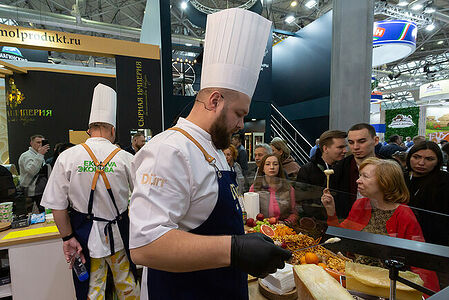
x=257, y=255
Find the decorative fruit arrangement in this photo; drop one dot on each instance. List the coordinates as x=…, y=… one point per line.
x=259, y=222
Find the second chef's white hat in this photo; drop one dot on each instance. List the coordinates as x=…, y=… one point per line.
x=234, y=48
x=104, y=105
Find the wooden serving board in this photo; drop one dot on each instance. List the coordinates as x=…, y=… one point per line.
x=5, y=226
x=292, y=295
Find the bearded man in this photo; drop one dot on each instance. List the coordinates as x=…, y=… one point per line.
x=186, y=220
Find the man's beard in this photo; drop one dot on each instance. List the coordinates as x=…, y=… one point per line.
x=219, y=132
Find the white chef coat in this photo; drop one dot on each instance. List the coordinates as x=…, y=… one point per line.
x=175, y=187
x=70, y=184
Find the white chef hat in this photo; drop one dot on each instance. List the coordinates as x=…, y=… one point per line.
x=104, y=105
x=234, y=48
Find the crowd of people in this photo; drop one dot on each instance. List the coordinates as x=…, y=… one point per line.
x=397, y=189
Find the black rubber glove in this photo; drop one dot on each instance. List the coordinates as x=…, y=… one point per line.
x=257, y=255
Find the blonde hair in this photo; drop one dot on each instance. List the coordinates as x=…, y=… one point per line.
x=390, y=179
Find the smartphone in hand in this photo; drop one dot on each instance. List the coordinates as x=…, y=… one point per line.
x=44, y=142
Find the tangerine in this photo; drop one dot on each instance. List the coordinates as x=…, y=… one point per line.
x=302, y=260
x=311, y=258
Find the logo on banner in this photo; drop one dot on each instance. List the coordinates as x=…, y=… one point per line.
x=433, y=87
x=378, y=32
x=15, y=99
x=401, y=121
x=11, y=53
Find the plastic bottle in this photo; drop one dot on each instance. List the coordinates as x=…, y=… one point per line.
x=80, y=269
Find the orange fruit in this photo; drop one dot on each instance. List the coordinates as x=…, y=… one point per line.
x=322, y=265
x=302, y=260
x=267, y=230
x=312, y=258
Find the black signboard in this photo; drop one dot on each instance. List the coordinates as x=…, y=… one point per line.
x=47, y=103
x=138, y=95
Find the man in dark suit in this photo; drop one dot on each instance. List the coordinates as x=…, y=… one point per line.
x=137, y=142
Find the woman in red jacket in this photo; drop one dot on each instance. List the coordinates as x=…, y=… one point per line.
x=383, y=211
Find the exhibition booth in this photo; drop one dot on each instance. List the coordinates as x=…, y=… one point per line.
x=292, y=98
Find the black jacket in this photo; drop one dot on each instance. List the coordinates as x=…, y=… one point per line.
x=313, y=171
x=7, y=187
x=343, y=185
x=388, y=150
x=309, y=187
x=130, y=149
x=430, y=194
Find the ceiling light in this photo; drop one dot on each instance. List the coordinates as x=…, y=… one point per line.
x=430, y=27
x=289, y=19
x=440, y=42
x=253, y=120
x=188, y=45
x=403, y=3
x=183, y=4
x=417, y=6
x=294, y=3
x=429, y=10
x=422, y=48
x=310, y=4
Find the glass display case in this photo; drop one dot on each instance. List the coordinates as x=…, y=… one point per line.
x=372, y=232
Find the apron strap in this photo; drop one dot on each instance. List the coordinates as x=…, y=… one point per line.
x=210, y=159
x=100, y=171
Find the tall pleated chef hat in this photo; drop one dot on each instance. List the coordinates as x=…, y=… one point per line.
x=104, y=105
x=234, y=48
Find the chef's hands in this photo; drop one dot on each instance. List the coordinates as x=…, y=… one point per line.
x=257, y=255
x=72, y=248
x=328, y=201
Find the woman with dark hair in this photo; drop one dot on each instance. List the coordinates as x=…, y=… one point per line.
x=280, y=200
x=428, y=187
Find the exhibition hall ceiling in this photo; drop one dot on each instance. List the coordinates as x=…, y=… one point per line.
x=123, y=19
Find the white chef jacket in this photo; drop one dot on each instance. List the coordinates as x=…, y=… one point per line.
x=70, y=184
x=175, y=187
